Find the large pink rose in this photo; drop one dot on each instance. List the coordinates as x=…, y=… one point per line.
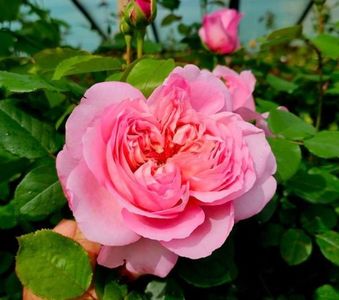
x=219, y=31
x=167, y=177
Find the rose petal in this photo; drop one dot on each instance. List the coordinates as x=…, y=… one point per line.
x=93, y=104
x=96, y=211
x=255, y=199
x=165, y=229
x=142, y=257
x=207, y=237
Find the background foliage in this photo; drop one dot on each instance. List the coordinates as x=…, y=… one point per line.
x=289, y=251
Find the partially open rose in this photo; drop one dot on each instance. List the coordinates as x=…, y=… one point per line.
x=167, y=177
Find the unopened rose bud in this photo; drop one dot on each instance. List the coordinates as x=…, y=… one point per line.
x=140, y=13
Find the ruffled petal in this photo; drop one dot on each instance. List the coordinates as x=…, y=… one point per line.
x=207, y=237
x=96, y=211
x=142, y=257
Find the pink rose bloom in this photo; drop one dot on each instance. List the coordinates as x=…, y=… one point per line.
x=167, y=177
x=219, y=31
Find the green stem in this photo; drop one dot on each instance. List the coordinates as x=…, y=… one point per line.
x=140, y=42
x=128, y=40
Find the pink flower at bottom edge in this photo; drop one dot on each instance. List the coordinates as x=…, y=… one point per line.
x=167, y=177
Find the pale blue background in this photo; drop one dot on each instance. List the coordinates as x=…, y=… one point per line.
x=286, y=13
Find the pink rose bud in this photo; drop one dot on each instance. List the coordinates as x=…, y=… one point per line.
x=219, y=31
x=140, y=13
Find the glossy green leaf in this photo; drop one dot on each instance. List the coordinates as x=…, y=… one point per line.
x=214, y=270
x=23, y=135
x=326, y=292
x=280, y=84
x=295, y=247
x=24, y=83
x=53, y=266
x=287, y=155
x=328, y=45
x=169, y=19
x=164, y=290
x=39, y=194
x=289, y=125
x=324, y=144
x=85, y=64
x=328, y=243
x=142, y=75
x=318, y=218
x=316, y=186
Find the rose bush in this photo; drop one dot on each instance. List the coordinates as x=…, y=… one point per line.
x=168, y=176
x=219, y=31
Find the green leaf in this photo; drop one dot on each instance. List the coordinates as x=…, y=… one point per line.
x=24, y=136
x=326, y=292
x=85, y=64
x=264, y=105
x=53, y=266
x=169, y=19
x=328, y=45
x=24, y=83
x=289, y=125
x=318, y=218
x=328, y=243
x=48, y=59
x=9, y=10
x=287, y=155
x=147, y=74
x=295, y=247
x=39, y=194
x=280, y=84
x=215, y=270
x=7, y=216
x=324, y=144
x=316, y=186
x=6, y=260
x=281, y=36
x=164, y=290
x=114, y=291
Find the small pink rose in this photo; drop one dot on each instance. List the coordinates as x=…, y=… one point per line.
x=168, y=176
x=219, y=31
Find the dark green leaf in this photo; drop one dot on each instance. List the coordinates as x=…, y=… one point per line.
x=217, y=269
x=316, y=186
x=295, y=247
x=53, y=266
x=271, y=235
x=142, y=74
x=288, y=157
x=324, y=144
x=24, y=136
x=328, y=45
x=7, y=216
x=318, y=218
x=6, y=260
x=328, y=243
x=164, y=290
x=326, y=292
x=280, y=84
x=264, y=105
x=39, y=194
x=114, y=291
x=9, y=10
x=24, y=83
x=289, y=125
x=85, y=64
